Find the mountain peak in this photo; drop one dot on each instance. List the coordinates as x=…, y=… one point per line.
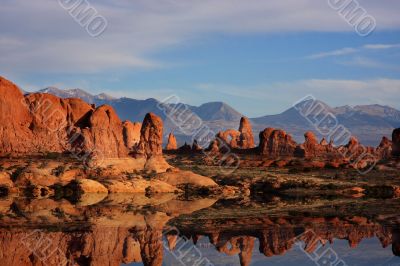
x=217, y=111
x=77, y=93
x=104, y=96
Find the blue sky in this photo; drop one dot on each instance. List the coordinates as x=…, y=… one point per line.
x=258, y=56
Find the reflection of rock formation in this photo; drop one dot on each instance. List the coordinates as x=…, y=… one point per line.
x=396, y=242
x=115, y=232
x=275, y=242
x=151, y=246
x=130, y=228
x=116, y=245
x=246, y=250
x=279, y=235
x=242, y=246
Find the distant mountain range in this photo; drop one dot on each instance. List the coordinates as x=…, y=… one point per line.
x=367, y=122
x=77, y=93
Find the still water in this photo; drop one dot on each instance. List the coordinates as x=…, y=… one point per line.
x=165, y=230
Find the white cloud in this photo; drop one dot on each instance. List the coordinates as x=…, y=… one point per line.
x=343, y=51
x=47, y=35
x=354, y=50
x=381, y=46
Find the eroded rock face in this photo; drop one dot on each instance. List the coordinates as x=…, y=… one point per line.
x=276, y=142
x=43, y=123
x=185, y=148
x=353, y=149
x=196, y=146
x=384, y=150
x=230, y=137
x=37, y=123
x=176, y=178
x=91, y=186
x=172, y=144
x=396, y=142
x=131, y=132
x=16, y=121
x=323, y=142
x=311, y=148
x=151, y=136
x=246, y=134
x=214, y=146
x=104, y=138
x=235, y=139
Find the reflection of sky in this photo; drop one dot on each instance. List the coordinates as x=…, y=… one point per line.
x=369, y=253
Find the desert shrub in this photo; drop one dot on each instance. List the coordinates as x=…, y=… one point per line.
x=58, y=191
x=3, y=191
x=43, y=165
x=329, y=186
x=149, y=191
x=59, y=170
x=51, y=155
x=16, y=173
x=59, y=213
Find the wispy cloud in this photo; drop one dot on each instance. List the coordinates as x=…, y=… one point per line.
x=139, y=29
x=343, y=51
x=381, y=46
x=353, y=50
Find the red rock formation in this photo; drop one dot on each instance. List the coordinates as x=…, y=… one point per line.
x=396, y=142
x=42, y=123
x=384, y=150
x=352, y=150
x=104, y=138
x=131, y=133
x=230, y=137
x=214, y=146
x=323, y=142
x=78, y=112
x=196, y=146
x=353, y=143
x=246, y=139
x=151, y=136
x=15, y=120
x=37, y=123
x=172, y=144
x=312, y=149
x=185, y=148
x=235, y=139
x=276, y=142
